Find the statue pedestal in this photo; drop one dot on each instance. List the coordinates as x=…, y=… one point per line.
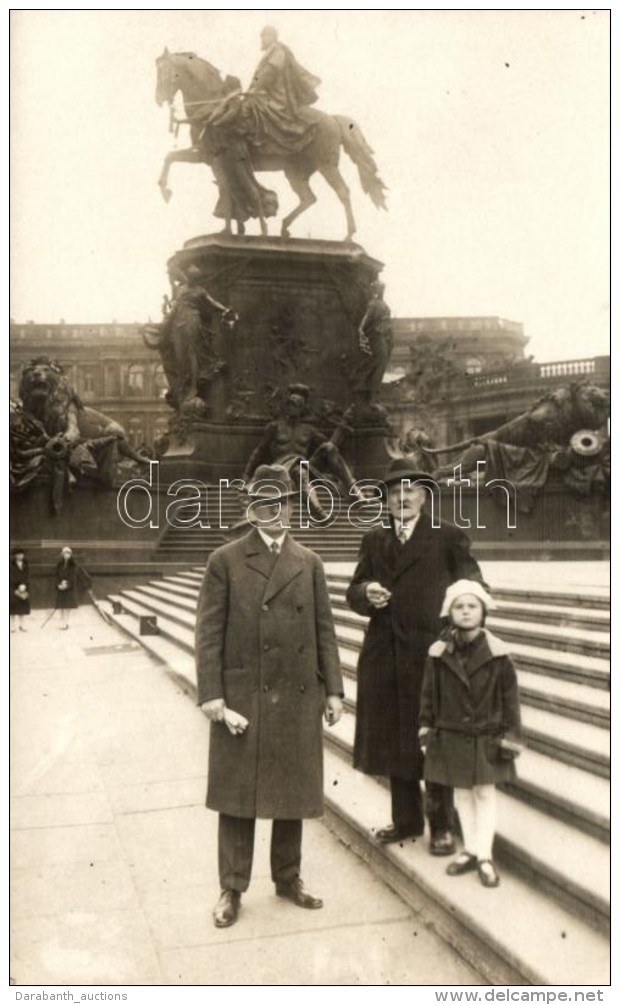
x=299, y=305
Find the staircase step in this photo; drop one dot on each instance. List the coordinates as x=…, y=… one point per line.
x=587, y=619
x=592, y=643
x=576, y=701
x=176, y=584
x=593, y=598
x=564, y=791
x=547, y=850
x=169, y=596
x=573, y=742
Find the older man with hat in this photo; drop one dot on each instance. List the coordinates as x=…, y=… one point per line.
x=268, y=670
x=400, y=581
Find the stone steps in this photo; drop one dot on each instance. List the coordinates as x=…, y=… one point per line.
x=554, y=817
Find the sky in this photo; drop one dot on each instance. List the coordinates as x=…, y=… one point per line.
x=490, y=130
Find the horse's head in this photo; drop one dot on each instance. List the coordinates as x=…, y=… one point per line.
x=167, y=78
x=187, y=72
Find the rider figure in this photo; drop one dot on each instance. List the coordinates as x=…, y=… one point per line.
x=277, y=99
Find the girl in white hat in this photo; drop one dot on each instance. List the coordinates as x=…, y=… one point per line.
x=470, y=722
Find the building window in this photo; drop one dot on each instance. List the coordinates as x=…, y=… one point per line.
x=161, y=383
x=135, y=379
x=473, y=365
x=88, y=384
x=135, y=432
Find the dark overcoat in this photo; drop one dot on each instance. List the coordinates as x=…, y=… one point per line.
x=391, y=664
x=76, y=578
x=265, y=642
x=468, y=712
x=19, y=577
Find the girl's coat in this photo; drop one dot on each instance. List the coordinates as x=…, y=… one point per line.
x=468, y=712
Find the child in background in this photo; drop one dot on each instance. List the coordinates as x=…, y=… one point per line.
x=470, y=722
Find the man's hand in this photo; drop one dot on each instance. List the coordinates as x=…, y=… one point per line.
x=423, y=736
x=235, y=722
x=377, y=595
x=214, y=709
x=333, y=709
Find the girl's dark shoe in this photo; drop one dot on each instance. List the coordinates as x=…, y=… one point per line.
x=488, y=873
x=462, y=864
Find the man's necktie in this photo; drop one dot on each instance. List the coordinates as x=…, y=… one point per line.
x=402, y=535
x=275, y=549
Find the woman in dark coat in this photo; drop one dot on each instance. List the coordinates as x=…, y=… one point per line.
x=470, y=723
x=69, y=577
x=19, y=599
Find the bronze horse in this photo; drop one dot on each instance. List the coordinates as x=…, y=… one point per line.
x=203, y=89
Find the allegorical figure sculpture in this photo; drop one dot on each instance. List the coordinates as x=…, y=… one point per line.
x=292, y=438
x=269, y=127
x=226, y=147
x=560, y=431
x=547, y=425
x=186, y=343
x=375, y=341
x=54, y=436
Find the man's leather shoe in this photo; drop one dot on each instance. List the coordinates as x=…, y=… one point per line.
x=294, y=890
x=391, y=834
x=442, y=844
x=226, y=911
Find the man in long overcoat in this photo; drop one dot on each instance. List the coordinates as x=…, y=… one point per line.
x=268, y=669
x=400, y=581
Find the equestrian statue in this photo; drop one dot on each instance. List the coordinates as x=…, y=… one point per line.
x=270, y=127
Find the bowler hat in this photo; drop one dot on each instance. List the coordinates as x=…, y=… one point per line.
x=402, y=468
x=271, y=482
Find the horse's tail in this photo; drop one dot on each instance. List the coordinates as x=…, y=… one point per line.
x=361, y=154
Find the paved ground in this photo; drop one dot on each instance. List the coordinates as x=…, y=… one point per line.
x=113, y=854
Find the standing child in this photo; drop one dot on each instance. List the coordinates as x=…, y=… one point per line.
x=470, y=722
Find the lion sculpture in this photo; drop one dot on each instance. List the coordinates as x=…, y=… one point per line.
x=54, y=436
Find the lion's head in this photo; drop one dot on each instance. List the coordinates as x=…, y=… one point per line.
x=46, y=393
